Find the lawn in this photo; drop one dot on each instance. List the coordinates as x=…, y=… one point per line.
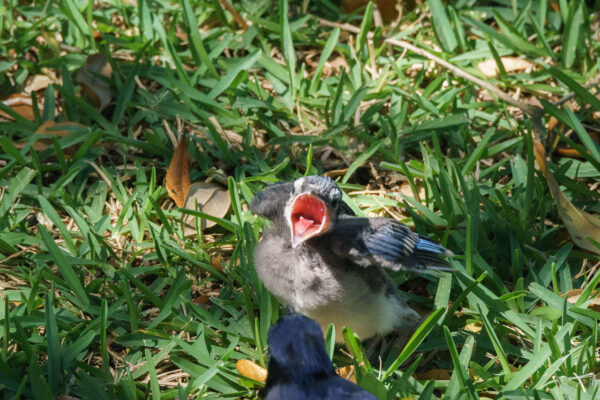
x=476, y=123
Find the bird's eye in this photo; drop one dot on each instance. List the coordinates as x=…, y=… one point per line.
x=335, y=203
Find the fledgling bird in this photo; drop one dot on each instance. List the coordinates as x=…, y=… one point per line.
x=328, y=264
x=299, y=367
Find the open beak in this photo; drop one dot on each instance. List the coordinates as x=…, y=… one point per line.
x=309, y=217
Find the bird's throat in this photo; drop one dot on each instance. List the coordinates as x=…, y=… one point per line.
x=302, y=225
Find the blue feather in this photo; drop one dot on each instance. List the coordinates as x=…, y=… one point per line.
x=426, y=244
x=300, y=367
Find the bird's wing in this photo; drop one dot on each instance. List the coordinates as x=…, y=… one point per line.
x=387, y=243
x=270, y=202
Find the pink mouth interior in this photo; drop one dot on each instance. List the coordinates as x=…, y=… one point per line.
x=308, y=215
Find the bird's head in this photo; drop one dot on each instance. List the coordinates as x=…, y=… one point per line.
x=297, y=347
x=313, y=207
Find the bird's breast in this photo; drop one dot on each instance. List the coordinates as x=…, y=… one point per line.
x=298, y=278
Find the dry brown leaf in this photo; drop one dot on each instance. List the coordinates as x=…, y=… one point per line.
x=178, y=174
x=20, y=104
x=51, y=128
x=552, y=122
x=251, y=370
x=335, y=66
x=474, y=327
x=201, y=299
x=580, y=224
x=438, y=374
x=571, y=153
x=97, y=89
x=387, y=8
x=212, y=199
x=336, y=173
x=347, y=373
x=511, y=64
x=58, y=128
x=37, y=82
x=406, y=190
x=574, y=295
x=216, y=260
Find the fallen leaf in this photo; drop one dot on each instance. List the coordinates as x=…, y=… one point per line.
x=178, y=174
x=347, y=373
x=212, y=199
x=581, y=225
x=511, y=64
x=59, y=128
x=572, y=153
x=336, y=173
x=552, y=122
x=335, y=66
x=437, y=374
x=387, y=8
x=440, y=374
x=250, y=369
x=37, y=82
x=216, y=260
x=51, y=128
x=201, y=299
x=406, y=190
x=236, y=16
x=20, y=104
x=96, y=88
x=574, y=295
x=474, y=327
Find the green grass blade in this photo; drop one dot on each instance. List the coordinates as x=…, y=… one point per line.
x=579, y=90
x=441, y=25
x=288, y=45
x=416, y=339
x=64, y=266
x=54, y=357
x=327, y=50
x=198, y=51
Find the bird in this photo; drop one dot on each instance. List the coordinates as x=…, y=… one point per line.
x=323, y=261
x=299, y=367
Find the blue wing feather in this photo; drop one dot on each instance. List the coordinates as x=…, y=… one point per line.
x=389, y=243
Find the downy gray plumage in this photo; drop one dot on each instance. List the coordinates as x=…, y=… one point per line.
x=328, y=264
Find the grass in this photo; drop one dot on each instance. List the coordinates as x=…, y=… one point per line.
x=103, y=296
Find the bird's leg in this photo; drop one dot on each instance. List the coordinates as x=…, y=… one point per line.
x=386, y=345
x=374, y=342
x=401, y=341
x=402, y=337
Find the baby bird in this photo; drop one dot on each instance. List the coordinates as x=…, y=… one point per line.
x=328, y=264
x=299, y=367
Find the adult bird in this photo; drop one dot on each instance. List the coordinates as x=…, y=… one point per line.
x=328, y=264
x=299, y=367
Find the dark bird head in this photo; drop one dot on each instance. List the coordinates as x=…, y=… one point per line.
x=312, y=208
x=297, y=350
